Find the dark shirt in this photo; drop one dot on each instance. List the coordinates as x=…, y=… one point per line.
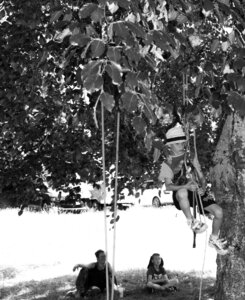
x=97, y=277
x=156, y=274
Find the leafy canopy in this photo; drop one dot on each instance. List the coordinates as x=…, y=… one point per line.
x=61, y=59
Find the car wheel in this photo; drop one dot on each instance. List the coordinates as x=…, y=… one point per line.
x=155, y=202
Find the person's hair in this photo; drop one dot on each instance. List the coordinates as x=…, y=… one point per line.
x=98, y=252
x=150, y=264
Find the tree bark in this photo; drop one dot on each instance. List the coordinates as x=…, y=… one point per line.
x=228, y=178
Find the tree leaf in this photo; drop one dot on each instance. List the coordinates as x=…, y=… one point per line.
x=68, y=17
x=238, y=64
x=199, y=79
x=133, y=56
x=145, y=89
x=78, y=76
x=93, y=83
x=225, y=2
x=146, y=97
x=137, y=195
x=157, y=143
x=181, y=19
x=131, y=79
x=112, y=6
x=136, y=29
x=56, y=15
x=97, y=48
x=59, y=37
x=208, y=5
x=108, y=101
x=110, y=31
x=97, y=15
x=91, y=31
x=130, y=101
x=160, y=40
x=91, y=74
x=79, y=40
x=215, y=45
x=102, y=2
x=241, y=84
x=139, y=125
x=233, y=77
x=156, y=154
x=241, y=52
x=120, y=29
x=114, y=72
x=87, y=10
x=148, y=142
x=124, y=3
x=238, y=102
x=149, y=38
x=44, y=57
x=150, y=114
x=92, y=68
x=114, y=54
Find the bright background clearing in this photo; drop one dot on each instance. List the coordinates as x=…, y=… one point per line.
x=42, y=246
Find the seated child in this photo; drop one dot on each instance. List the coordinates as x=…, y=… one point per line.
x=157, y=278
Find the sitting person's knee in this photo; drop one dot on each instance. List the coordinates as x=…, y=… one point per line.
x=174, y=281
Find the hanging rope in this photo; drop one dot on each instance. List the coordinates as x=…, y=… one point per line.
x=205, y=248
x=185, y=87
x=115, y=205
x=104, y=196
x=199, y=201
x=196, y=196
x=194, y=215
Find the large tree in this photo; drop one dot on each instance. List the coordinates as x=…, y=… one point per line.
x=67, y=57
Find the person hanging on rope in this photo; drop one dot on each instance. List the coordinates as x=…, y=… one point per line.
x=174, y=172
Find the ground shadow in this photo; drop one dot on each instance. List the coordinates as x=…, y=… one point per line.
x=132, y=280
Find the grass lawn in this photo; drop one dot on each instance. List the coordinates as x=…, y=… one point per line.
x=132, y=280
x=38, y=251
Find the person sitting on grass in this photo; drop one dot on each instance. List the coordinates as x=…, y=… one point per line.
x=174, y=174
x=157, y=278
x=92, y=277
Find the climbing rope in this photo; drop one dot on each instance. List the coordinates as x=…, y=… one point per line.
x=199, y=201
x=196, y=195
x=104, y=196
x=185, y=88
x=115, y=204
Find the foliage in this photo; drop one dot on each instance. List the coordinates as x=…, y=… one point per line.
x=60, y=59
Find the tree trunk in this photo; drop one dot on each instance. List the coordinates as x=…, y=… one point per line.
x=228, y=178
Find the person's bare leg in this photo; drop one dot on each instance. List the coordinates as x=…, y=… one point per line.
x=217, y=212
x=155, y=286
x=172, y=282
x=182, y=197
